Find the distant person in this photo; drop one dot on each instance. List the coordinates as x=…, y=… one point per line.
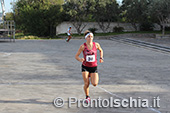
x=89, y=62
x=69, y=34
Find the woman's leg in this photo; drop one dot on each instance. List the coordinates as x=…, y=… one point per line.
x=69, y=37
x=94, y=78
x=85, y=75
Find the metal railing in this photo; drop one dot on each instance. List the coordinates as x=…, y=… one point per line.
x=8, y=30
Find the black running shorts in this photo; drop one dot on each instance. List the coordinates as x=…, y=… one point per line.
x=89, y=69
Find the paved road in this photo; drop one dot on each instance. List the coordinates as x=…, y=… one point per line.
x=159, y=41
x=35, y=72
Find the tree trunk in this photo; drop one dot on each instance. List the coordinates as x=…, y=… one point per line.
x=134, y=25
x=163, y=29
x=104, y=25
x=79, y=26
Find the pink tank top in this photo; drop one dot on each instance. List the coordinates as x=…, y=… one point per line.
x=90, y=56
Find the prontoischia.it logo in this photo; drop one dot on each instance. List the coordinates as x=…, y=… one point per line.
x=111, y=102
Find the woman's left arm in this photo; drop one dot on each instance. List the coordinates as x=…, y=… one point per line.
x=101, y=52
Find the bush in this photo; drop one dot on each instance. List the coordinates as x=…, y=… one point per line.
x=167, y=28
x=146, y=26
x=118, y=29
x=93, y=30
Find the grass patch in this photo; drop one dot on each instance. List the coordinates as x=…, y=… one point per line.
x=29, y=36
x=23, y=36
x=114, y=33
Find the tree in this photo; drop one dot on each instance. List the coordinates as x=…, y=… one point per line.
x=38, y=17
x=9, y=16
x=79, y=12
x=106, y=11
x=160, y=9
x=135, y=11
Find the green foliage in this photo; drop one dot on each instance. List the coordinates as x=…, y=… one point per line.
x=20, y=35
x=37, y=17
x=9, y=16
x=93, y=30
x=1, y=26
x=118, y=29
x=78, y=11
x=106, y=11
x=159, y=9
x=102, y=11
x=40, y=17
x=135, y=11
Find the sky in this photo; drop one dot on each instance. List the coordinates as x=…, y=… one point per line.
x=8, y=6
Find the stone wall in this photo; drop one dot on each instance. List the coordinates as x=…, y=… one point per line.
x=62, y=28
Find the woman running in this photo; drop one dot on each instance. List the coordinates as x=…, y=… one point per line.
x=89, y=62
x=69, y=34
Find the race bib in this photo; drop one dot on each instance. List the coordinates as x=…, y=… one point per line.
x=90, y=58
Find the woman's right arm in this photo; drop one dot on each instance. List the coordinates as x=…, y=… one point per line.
x=78, y=53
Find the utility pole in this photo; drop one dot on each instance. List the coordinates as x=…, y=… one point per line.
x=3, y=9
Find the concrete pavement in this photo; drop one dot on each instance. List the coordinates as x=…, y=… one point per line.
x=35, y=72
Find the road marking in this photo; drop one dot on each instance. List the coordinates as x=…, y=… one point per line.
x=6, y=54
x=152, y=109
